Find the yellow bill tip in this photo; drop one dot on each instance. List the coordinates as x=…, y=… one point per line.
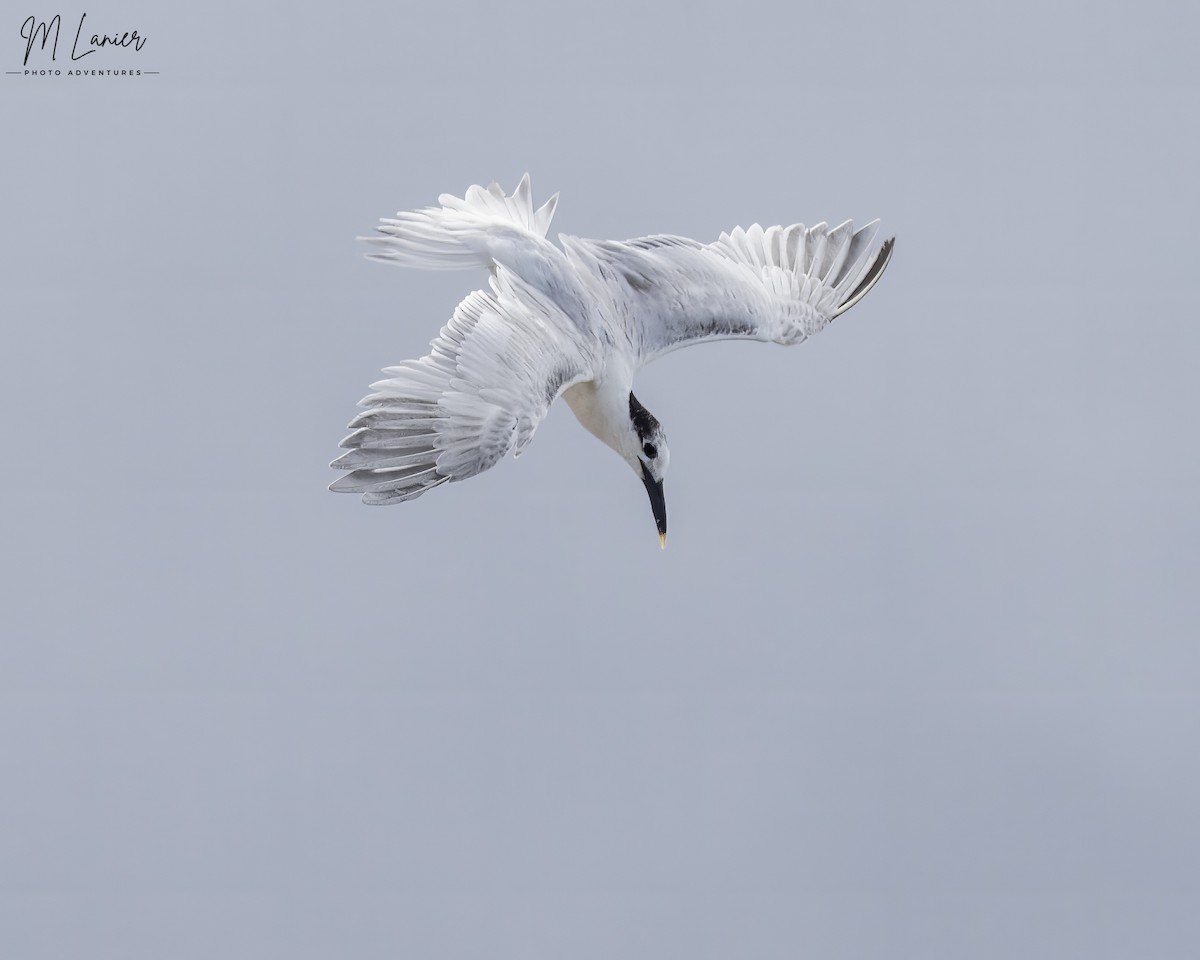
x=662, y=539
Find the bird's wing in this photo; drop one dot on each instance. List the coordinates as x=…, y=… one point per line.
x=782, y=284
x=482, y=390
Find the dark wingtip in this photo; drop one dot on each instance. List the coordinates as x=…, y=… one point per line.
x=874, y=272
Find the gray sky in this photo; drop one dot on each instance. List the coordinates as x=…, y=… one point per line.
x=917, y=674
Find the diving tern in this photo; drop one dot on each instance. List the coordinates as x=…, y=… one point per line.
x=577, y=322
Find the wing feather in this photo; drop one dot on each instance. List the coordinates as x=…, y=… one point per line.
x=781, y=284
x=480, y=392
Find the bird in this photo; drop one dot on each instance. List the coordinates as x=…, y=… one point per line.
x=577, y=321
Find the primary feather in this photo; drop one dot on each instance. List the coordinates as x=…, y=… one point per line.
x=480, y=392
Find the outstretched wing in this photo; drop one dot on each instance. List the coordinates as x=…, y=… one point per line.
x=482, y=390
x=782, y=284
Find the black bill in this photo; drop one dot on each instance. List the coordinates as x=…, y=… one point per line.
x=658, y=503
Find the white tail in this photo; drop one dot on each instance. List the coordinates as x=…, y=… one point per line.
x=456, y=236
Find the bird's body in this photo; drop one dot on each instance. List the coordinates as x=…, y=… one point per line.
x=577, y=322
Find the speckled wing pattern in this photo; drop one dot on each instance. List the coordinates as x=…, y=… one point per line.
x=780, y=284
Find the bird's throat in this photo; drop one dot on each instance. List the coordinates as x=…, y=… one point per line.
x=603, y=410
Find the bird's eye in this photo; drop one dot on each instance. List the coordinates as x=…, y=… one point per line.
x=650, y=451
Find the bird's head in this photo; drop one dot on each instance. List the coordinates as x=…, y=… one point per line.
x=645, y=450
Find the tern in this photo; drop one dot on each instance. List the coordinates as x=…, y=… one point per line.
x=577, y=321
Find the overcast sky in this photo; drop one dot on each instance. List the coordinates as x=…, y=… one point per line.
x=918, y=673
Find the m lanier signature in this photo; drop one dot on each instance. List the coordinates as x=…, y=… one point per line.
x=33, y=28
